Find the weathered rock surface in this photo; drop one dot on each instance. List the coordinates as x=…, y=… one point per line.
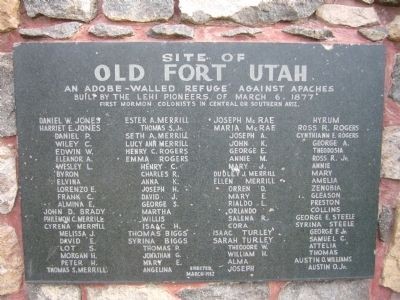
x=9, y=15
x=179, y=30
x=81, y=10
x=312, y=33
x=354, y=290
x=7, y=103
x=390, y=167
x=348, y=15
x=8, y=178
x=59, y=31
x=391, y=266
x=234, y=291
x=247, y=31
x=389, y=2
x=374, y=34
x=126, y=292
x=11, y=262
x=138, y=10
x=113, y=31
x=247, y=12
x=394, y=29
x=385, y=222
x=395, y=89
x=53, y=292
x=368, y=1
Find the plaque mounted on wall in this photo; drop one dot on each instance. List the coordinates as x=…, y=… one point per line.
x=198, y=161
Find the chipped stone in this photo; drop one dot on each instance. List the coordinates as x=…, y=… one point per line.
x=80, y=10
x=53, y=292
x=9, y=15
x=391, y=265
x=11, y=262
x=247, y=12
x=385, y=220
x=242, y=31
x=138, y=10
x=59, y=31
x=7, y=103
x=178, y=30
x=394, y=29
x=107, y=30
x=313, y=33
x=374, y=34
x=8, y=178
x=395, y=89
x=391, y=152
x=224, y=291
x=348, y=15
x=126, y=292
x=355, y=290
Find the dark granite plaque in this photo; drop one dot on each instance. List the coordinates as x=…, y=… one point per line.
x=198, y=161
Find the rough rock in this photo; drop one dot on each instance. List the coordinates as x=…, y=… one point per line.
x=247, y=12
x=9, y=15
x=234, y=291
x=395, y=89
x=394, y=29
x=138, y=10
x=374, y=34
x=354, y=290
x=178, y=30
x=59, y=31
x=385, y=220
x=368, y=1
x=390, y=166
x=241, y=31
x=312, y=33
x=389, y=2
x=107, y=30
x=11, y=262
x=7, y=103
x=53, y=292
x=348, y=15
x=81, y=10
x=391, y=265
x=126, y=292
x=8, y=178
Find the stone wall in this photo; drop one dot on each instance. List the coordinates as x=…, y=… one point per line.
x=299, y=21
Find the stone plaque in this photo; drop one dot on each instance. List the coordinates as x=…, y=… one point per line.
x=198, y=161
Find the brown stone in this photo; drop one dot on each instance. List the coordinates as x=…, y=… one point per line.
x=8, y=178
x=390, y=161
x=391, y=266
x=394, y=29
x=351, y=16
x=126, y=292
x=11, y=262
x=9, y=15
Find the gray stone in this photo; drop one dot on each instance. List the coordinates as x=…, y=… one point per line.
x=107, y=30
x=241, y=31
x=390, y=167
x=374, y=34
x=81, y=10
x=9, y=15
x=223, y=291
x=8, y=178
x=138, y=10
x=247, y=12
x=53, y=292
x=352, y=16
x=59, y=31
x=332, y=290
x=395, y=89
x=7, y=103
x=11, y=262
x=368, y=1
x=385, y=221
x=126, y=292
x=178, y=30
x=312, y=33
x=394, y=29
